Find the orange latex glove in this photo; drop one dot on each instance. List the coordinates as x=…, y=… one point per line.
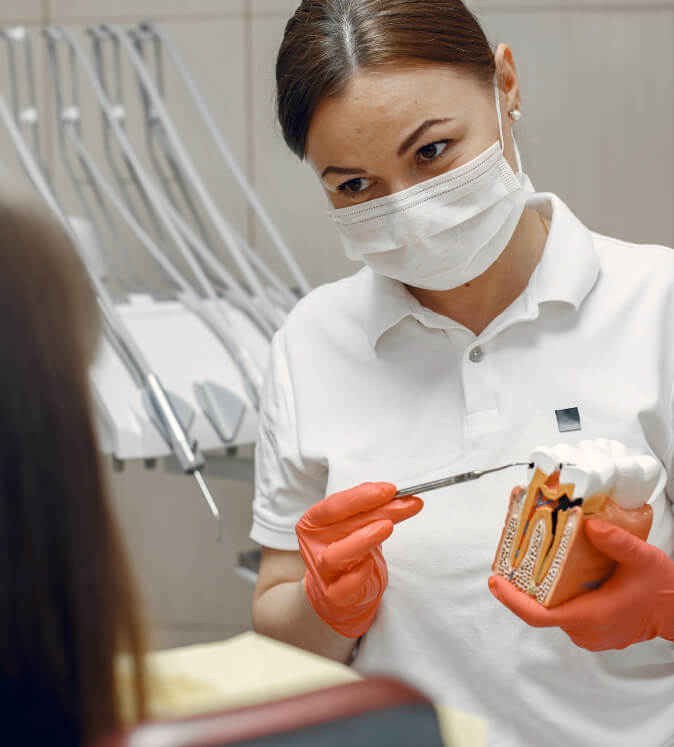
x=340, y=540
x=634, y=605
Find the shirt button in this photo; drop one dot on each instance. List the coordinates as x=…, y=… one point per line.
x=476, y=354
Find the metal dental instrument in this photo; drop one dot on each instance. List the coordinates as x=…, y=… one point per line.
x=455, y=480
x=157, y=33
x=186, y=451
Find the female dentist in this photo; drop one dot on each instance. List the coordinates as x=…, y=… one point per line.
x=486, y=319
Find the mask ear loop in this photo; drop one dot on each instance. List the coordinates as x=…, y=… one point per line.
x=518, y=158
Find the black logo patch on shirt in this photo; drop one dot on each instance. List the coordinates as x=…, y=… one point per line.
x=568, y=420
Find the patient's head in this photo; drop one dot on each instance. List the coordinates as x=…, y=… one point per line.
x=67, y=604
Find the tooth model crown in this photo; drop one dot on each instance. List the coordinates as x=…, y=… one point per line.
x=543, y=549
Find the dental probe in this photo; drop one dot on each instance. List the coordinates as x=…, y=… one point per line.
x=455, y=480
x=209, y=499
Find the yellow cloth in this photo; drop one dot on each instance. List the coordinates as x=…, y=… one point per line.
x=251, y=669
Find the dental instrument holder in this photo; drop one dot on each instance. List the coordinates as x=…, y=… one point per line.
x=187, y=453
x=213, y=318
x=454, y=480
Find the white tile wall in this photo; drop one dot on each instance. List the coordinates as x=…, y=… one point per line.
x=598, y=121
x=20, y=11
x=186, y=578
x=287, y=7
x=278, y=7
x=567, y=6
x=87, y=9
x=173, y=637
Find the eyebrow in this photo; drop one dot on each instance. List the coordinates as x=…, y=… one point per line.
x=407, y=144
x=409, y=141
x=342, y=170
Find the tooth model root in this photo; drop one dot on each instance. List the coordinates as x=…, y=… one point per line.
x=543, y=550
x=543, y=491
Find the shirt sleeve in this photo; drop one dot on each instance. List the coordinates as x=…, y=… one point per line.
x=669, y=456
x=286, y=484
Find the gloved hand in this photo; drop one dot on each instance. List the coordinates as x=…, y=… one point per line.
x=339, y=540
x=635, y=604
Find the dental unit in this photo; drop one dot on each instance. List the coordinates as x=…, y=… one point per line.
x=185, y=449
x=179, y=373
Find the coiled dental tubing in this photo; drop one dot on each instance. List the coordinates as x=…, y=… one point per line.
x=126, y=176
x=196, y=183
x=156, y=140
x=155, y=32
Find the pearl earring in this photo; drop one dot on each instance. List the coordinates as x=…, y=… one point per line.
x=516, y=115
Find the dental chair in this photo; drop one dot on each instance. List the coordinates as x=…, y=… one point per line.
x=377, y=711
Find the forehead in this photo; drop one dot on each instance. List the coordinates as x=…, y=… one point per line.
x=387, y=103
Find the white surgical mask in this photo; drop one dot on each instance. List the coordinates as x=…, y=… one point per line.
x=443, y=232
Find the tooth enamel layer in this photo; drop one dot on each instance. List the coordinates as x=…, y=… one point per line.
x=601, y=467
x=566, y=484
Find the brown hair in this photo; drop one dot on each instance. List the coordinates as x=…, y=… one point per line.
x=326, y=41
x=67, y=602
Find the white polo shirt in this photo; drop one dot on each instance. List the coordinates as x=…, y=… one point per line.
x=365, y=384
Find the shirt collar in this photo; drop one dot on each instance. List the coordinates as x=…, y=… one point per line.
x=569, y=267
x=566, y=273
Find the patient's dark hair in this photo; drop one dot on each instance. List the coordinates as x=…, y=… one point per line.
x=326, y=41
x=67, y=602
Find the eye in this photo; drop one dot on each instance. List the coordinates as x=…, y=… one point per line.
x=354, y=186
x=433, y=150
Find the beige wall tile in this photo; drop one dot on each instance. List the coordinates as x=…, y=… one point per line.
x=288, y=188
x=279, y=7
x=93, y=9
x=23, y=11
x=166, y=637
x=598, y=116
x=287, y=7
x=187, y=579
x=504, y=6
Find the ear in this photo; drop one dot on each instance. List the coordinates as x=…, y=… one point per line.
x=507, y=77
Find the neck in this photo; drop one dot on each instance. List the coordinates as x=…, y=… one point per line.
x=476, y=304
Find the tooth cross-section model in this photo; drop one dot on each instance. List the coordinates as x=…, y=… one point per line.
x=543, y=549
